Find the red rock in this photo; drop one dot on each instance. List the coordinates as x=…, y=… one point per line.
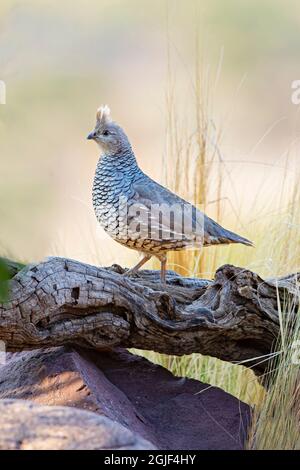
x=168, y=411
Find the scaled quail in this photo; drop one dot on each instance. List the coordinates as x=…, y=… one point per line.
x=140, y=213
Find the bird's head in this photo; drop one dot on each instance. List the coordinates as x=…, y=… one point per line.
x=108, y=135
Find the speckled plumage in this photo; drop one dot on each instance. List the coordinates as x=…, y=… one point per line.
x=118, y=177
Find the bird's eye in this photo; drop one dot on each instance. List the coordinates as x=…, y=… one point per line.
x=106, y=132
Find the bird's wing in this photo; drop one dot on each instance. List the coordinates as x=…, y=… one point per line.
x=186, y=222
x=168, y=216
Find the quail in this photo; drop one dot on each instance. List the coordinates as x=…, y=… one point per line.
x=138, y=212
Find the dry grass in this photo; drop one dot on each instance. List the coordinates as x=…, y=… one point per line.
x=275, y=229
x=276, y=419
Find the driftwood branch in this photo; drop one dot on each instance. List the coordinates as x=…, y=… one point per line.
x=60, y=301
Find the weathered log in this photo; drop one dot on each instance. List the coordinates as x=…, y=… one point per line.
x=60, y=301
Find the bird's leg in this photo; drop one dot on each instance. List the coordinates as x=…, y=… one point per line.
x=163, y=264
x=137, y=266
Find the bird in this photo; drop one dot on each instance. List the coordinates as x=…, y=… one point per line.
x=140, y=213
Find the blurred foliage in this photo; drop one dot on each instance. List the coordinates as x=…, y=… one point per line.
x=4, y=276
x=8, y=269
x=115, y=52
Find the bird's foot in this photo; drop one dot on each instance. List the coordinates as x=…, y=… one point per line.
x=116, y=268
x=130, y=272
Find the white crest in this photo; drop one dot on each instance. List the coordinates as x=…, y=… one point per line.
x=103, y=114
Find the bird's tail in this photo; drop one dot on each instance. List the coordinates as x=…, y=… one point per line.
x=234, y=238
x=217, y=235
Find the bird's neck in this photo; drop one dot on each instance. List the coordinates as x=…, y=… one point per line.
x=124, y=160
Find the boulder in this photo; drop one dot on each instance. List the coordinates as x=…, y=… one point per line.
x=167, y=411
x=28, y=426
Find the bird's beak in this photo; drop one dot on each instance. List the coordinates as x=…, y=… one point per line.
x=91, y=136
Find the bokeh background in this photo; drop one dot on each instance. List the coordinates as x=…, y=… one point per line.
x=61, y=59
